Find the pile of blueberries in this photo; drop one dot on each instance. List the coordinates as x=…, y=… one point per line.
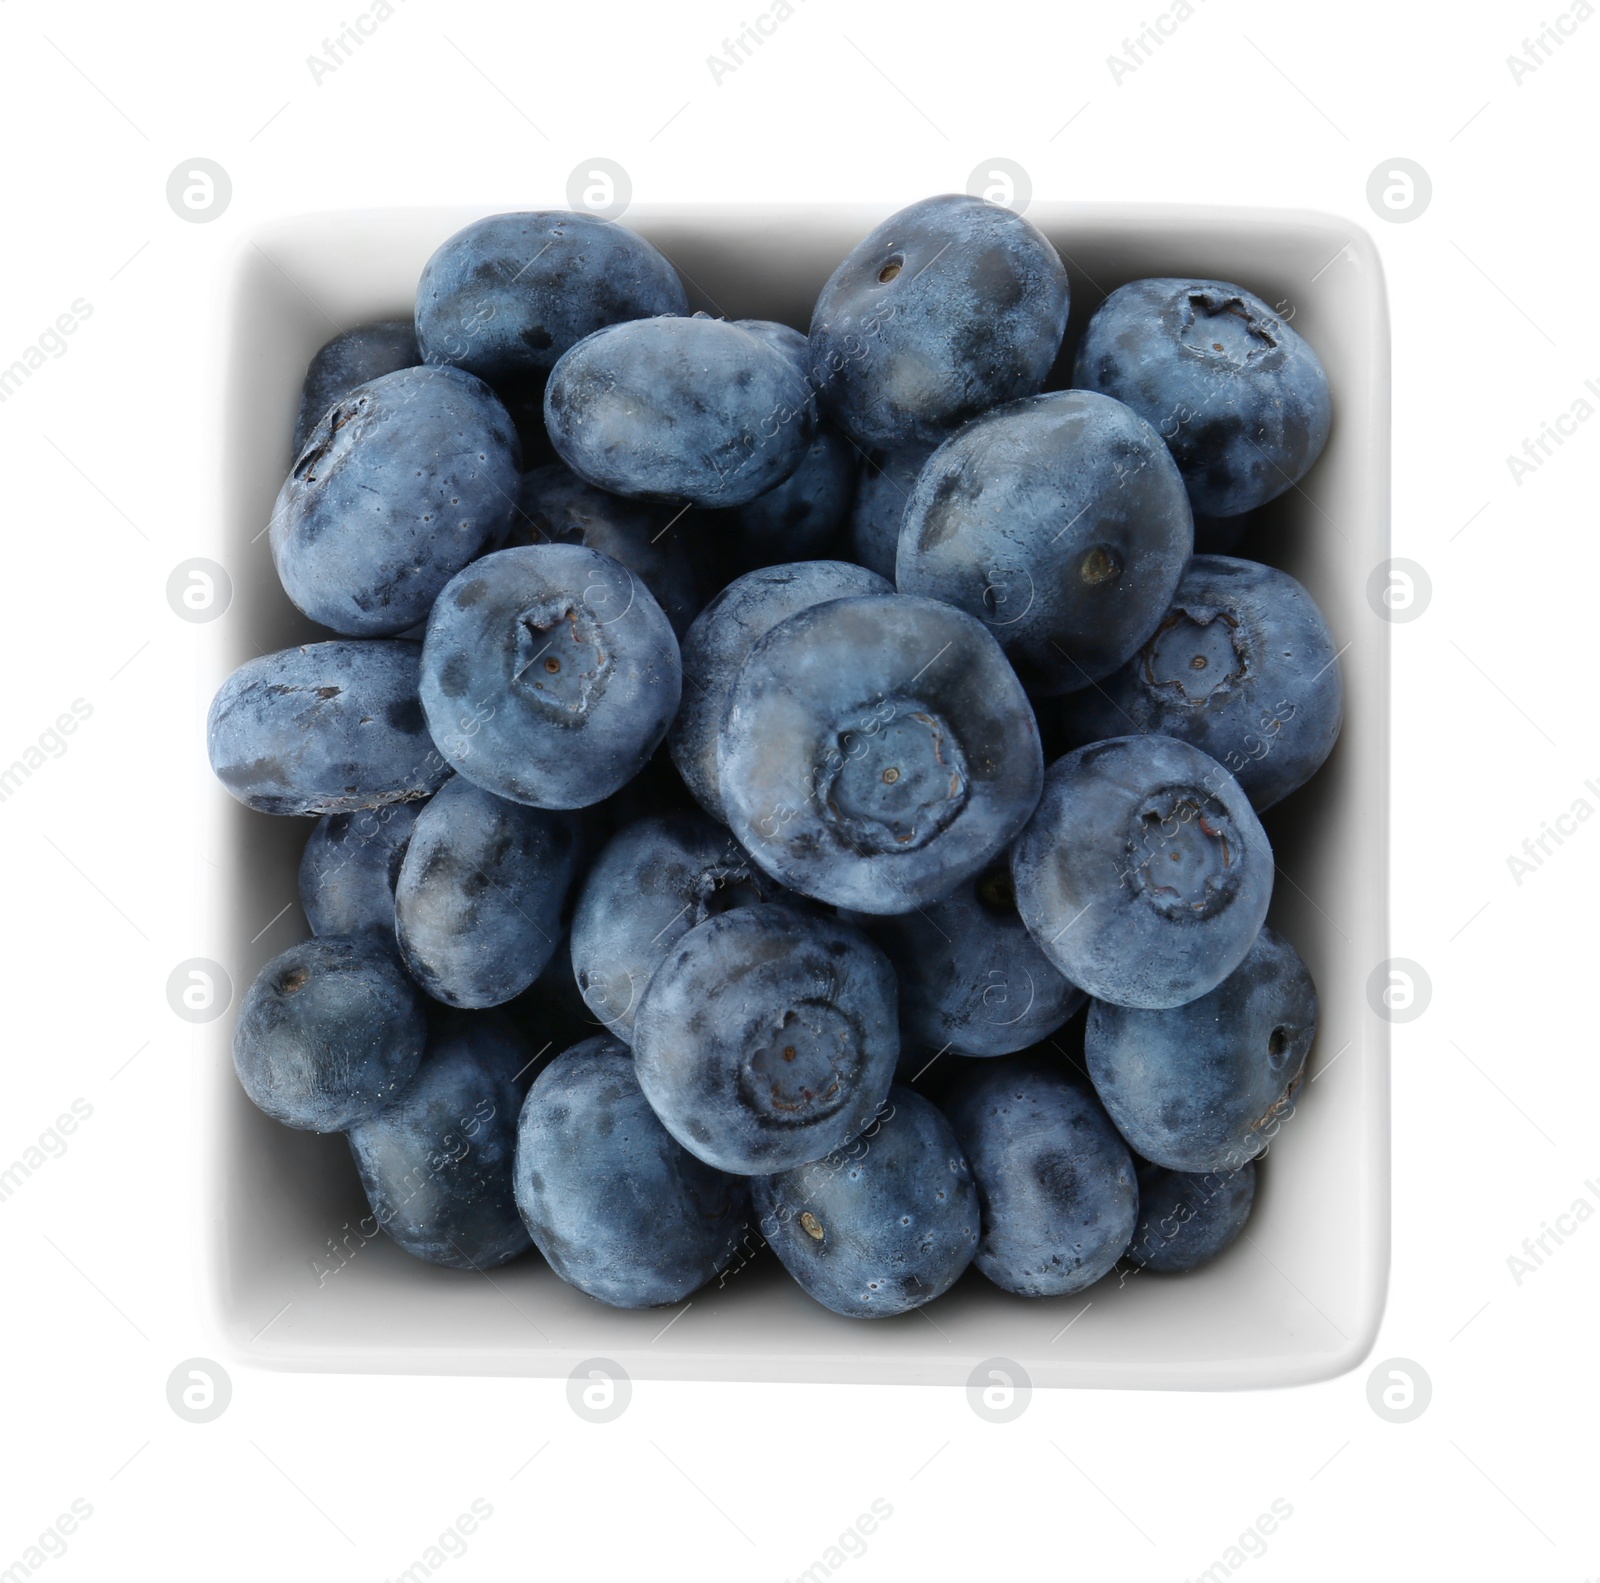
x=686, y=711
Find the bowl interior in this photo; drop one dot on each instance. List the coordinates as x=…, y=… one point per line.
x=294, y=1279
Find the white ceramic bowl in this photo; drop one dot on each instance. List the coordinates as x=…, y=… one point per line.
x=1298, y=1298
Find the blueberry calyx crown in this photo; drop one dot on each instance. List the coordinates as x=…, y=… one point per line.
x=563, y=658
x=1224, y=328
x=1197, y=651
x=894, y=786
x=806, y=1066
x=1183, y=854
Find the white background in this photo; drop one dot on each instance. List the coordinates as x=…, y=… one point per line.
x=107, y=485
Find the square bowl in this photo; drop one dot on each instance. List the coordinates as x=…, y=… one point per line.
x=290, y=1279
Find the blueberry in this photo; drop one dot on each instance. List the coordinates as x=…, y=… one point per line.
x=325, y=728
x=436, y=1164
x=1206, y=1086
x=1239, y=396
x=876, y=751
x=885, y=1223
x=767, y=1038
x=329, y=1033
x=619, y=1208
x=700, y=410
x=1059, y=521
x=1242, y=667
x=950, y=307
x=349, y=867
x=799, y=519
x=555, y=506
x=506, y=296
x=402, y=483
x=1186, y=1220
x=884, y=487
x=350, y=359
x=971, y=979
x=482, y=891
x=1057, y=1185
x=719, y=642
x=549, y=674
x=654, y=882
x=1145, y=874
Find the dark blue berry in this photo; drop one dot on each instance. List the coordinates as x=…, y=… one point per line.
x=1238, y=395
x=882, y=1225
x=767, y=1038
x=329, y=1033
x=481, y=896
x=877, y=751
x=948, y=308
x=1061, y=523
x=402, y=483
x=1055, y=1181
x=1145, y=875
x=617, y=1206
x=436, y=1163
x=549, y=674
x=507, y=295
x=1207, y=1085
x=325, y=729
